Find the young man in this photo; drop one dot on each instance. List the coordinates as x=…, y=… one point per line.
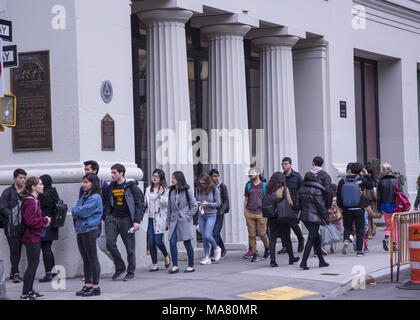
x=123, y=213
x=323, y=178
x=9, y=202
x=92, y=166
x=223, y=209
x=353, y=212
x=255, y=222
x=293, y=182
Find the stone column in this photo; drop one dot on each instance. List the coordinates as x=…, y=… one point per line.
x=167, y=92
x=277, y=101
x=228, y=112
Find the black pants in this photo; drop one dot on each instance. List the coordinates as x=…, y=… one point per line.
x=115, y=226
x=282, y=230
x=47, y=255
x=314, y=240
x=298, y=232
x=217, y=233
x=33, y=250
x=87, y=247
x=358, y=217
x=15, y=246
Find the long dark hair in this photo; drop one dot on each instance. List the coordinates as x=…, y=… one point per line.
x=29, y=183
x=96, y=186
x=162, y=178
x=182, y=183
x=208, y=186
x=276, y=181
x=309, y=176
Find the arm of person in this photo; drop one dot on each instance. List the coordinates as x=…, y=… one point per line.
x=226, y=203
x=168, y=213
x=379, y=197
x=416, y=203
x=367, y=183
x=289, y=197
x=163, y=199
x=216, y=203
x=193, y=202
x=29, y=216
x=87, y=209
x=329, y=190
x=105, y=197
x=339, y=198
x=4, y=203
x=138, y=197
x=321, y=207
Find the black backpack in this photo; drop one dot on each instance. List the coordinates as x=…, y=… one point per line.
x=15, y=226
x=59, y=218
x=269, y=205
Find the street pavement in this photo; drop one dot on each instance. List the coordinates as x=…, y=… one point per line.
x=236, y=278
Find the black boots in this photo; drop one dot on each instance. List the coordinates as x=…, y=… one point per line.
x=273, y=263
x=48, y=277
x=91, y=291
x=293, y=260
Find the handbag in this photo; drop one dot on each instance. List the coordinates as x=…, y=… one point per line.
x=402, y=204
x=60, y=213
x=329, y=234
x=285, y=213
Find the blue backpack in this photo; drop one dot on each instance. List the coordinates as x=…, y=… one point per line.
x=350, y=193
x=248, y=187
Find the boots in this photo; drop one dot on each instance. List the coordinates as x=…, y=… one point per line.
x=48, y=277
x=305, y=257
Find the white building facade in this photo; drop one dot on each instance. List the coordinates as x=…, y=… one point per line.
x=337, y=79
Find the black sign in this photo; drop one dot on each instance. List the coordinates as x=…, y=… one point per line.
x=9, y=56
x=30, y=82
x=6, y=30
x=108, y=133
x=343, y=109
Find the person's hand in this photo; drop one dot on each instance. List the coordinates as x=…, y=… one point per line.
x=204, y=204
x=166, y=228
x=364, y=172
x=160, y=191
x=415, y=208
x=136, y=226
x=48, y=223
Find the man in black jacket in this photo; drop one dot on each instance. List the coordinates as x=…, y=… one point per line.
x=9, y=200
x=356, y=213
x=223, y=209
x=323, y=178
x=122, y=217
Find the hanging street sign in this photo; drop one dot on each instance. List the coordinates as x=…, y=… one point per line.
x=6, y=30
x=9, y=56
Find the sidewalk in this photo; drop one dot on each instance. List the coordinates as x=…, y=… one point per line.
x=232, y=277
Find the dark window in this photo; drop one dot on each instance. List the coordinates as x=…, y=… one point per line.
x=418, y=102
x=366, y=109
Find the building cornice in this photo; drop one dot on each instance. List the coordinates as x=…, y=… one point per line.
x=390, y=7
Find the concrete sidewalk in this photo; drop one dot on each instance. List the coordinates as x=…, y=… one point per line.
x=235, y=278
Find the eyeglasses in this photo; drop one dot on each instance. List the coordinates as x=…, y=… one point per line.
x=155, y=176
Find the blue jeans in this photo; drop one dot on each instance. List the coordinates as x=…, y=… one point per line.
x=174, y=250
x=155, y=240
x=206, y=228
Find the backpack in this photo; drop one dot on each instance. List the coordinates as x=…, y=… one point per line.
x=350, y=192
x=269, y=204
x=402, y=204
x=60, y=214
x=16, y=227
x=248, y=187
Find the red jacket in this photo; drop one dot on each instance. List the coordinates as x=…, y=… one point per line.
x=33, y=220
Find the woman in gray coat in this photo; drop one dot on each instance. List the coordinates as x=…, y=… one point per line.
x=181, y=209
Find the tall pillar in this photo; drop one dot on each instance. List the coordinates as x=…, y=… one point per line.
x=168, y=104
x=277, y=100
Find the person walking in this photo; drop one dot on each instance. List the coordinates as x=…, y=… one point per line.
x=255, y=222
x=277, y=184
x=386, y=200
x=323, y=178
x=313, y=206
x=123, y=218
x=182, y=206
x=154, y=220
x=9, y=202
x=294, y=183
x=87, y=214
x=208, y=201
x=352, y=201
x=92, y=166
x=34, y=223
x=48, y=201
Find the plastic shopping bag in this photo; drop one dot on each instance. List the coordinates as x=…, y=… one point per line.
x=329, y=234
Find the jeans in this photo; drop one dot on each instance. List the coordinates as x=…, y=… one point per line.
x=119, y=226
x=87, y=247
x=47, y=255
x=33, y=250
x=206, y=224
x=358, y=217
x=15, y=246
x=217, y=230
x=282, y=230
x=155, y=240
x=174, y=250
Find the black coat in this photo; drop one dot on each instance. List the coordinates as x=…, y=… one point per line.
x=8, y=200
x=325, y=180
x=294, y=182
x=385, y=192
x=311, y=202
x=48, y=201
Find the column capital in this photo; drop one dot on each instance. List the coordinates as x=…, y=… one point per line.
x=279, y=41
x=276, y=32
x=147, y=5
x=165, y=15
x=225, y=24
x=239, y=30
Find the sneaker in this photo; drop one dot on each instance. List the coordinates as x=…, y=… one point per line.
x=283, y=250
x=212, y=258
x=255, y=258
x=205, y=261
x=247, y=255
x=27, y=297
x=345, y=247
x=365, y=250
x=16, y=278
x=36, y=294
x=360, y=254
x=217, y=254
x=92, y=292
x=129, y=276
x=266, y=253
x=117, y=274
x=48, y=277
x=351, y=238
x=385, y=244
x=323, y=251
x=224, y=254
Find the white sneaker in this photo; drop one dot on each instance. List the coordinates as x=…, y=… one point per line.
x=351, y=238
x=205, y=261
x=345, y=247
x=217, y=254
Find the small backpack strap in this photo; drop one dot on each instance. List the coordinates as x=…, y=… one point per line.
x=264, y=188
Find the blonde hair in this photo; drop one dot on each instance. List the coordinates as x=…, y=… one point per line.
x=386, y=168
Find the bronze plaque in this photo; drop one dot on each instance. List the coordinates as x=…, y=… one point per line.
x=108, y=133
x=30, y=82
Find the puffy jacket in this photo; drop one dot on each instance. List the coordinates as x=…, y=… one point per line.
x=9, y=199
x=325, y=180
x=385, y=192
x=294, y=183
x=312, y=203
x=32, y=219
x=88, y=213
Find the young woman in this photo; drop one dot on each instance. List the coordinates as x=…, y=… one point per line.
x=181, y=209
x=311, y=202
x=208, y=200
x=48, y=200
x=277, y=184
x=34, y=224
x=154, y=220
x=87, y=215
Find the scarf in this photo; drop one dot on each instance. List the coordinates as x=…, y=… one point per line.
x=315, y=170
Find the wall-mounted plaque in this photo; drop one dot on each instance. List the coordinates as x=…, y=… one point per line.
x=106, y=91
x=108, y=133
x=30, y=82
x=343, y=109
